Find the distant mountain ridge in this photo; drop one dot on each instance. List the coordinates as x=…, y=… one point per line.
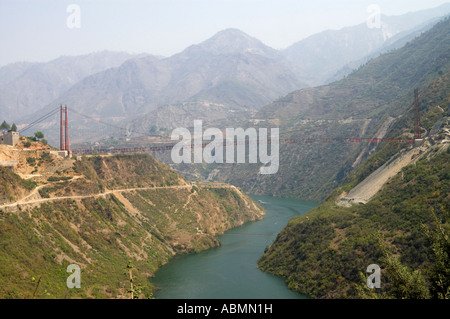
x=27, y=87
x=222, y=79
x=323, y=54
x=231, y=69
x=232, y=41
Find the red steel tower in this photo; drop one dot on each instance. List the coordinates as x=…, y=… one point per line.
x=64, y=144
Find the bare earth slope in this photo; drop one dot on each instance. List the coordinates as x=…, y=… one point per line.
x=365, y=190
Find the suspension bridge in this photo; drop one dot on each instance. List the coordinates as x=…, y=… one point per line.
x=168, y=146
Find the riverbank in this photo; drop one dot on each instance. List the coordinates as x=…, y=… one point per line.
x=230, y=271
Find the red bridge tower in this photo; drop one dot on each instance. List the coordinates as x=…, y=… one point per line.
x=64, y=144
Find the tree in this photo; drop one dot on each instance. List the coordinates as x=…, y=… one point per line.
x=39, y=135
x=135, y=291
x=402, y=282
x=153, y=129
x=5, y=126
x=405, y=283
x=14, y=127
x=432, y=281
x=438, y=234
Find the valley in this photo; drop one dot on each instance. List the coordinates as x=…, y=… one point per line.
x=329, y=155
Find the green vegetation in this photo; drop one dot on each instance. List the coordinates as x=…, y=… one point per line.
x=12, y=186
x=178, y=219
x=357, y=106
x=405, y=228
x=31, y=161
x=5, y=126
x=58, y=234
x=404, y=283
x=58, y=178
x=39, y=135
x=141, y=228
x=434, y=100
x=142, y=171
x=322, y=253
x=334, y=244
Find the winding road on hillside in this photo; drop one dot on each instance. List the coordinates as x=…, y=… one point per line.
x=28, y=200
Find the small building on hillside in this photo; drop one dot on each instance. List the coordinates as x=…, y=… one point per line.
x=9, y=138
x=9, y=164
x=62, y=153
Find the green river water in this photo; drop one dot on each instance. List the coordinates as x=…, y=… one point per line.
x=230, y=271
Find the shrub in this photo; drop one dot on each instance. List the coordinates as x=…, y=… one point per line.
x=31, y=161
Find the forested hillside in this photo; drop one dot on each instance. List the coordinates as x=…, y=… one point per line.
x=102, y=214
x=404, y=228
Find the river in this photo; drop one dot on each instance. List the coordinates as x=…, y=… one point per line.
x=230, y=271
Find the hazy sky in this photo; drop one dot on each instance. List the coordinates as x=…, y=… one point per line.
x=41, y=30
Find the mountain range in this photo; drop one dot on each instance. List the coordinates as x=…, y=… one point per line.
x=26, y=87
x=362, y=105
x=222, y=80
x=231, y=69
x=324, y=54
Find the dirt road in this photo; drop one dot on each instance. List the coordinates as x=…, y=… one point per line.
x=31, y=199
